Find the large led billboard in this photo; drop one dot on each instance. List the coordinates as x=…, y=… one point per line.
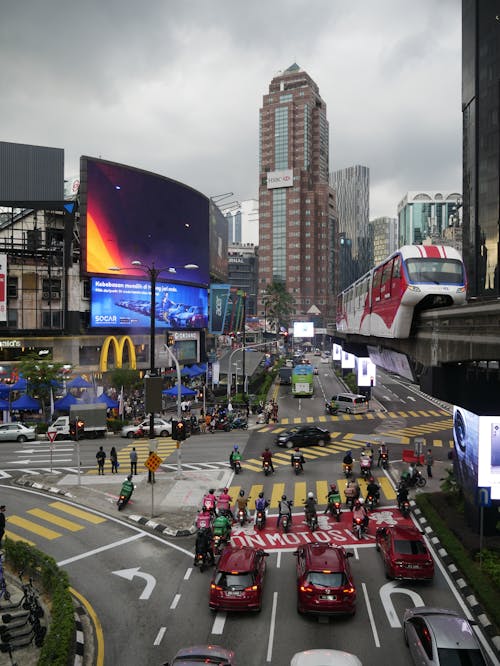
x=303, y=329
x=367, y=372
x=132, y=215
x=125, y=303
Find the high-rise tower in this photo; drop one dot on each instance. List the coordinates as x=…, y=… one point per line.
x=296, y=204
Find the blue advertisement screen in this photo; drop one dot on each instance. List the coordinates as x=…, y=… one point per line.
x=125, y=303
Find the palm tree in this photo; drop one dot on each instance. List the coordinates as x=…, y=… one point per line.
x=279, y=303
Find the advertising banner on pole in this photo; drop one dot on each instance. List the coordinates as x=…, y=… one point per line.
x=219, y=297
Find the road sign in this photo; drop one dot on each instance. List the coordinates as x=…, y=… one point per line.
x=153, y=462
x=51, y=436
x=483, y=496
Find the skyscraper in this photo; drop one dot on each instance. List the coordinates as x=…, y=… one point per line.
x=385, y=237
x=481, y=145
x=424, y=216
x=296, y=204
x=352, y=196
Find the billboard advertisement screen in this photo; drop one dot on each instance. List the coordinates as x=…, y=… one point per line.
x=124, y=303
x=303, y=329
x=131, y=215
x=367, y=372
x=218, y=244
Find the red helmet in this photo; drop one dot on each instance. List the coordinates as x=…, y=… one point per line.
x=225, y=490
x=333, y=486
x=357, y=503
x=296, y=448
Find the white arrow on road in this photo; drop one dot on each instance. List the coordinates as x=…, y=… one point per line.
x=27, y=462
x=129, y=574
x=26, y=452
x=385, y=596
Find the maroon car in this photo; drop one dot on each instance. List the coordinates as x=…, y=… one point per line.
x=404, y=553
x=324, y=581
x=238, y=579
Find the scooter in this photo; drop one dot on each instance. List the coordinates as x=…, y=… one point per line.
x=371, y=502
x=404, y=508
x=297, y=467
x=347, y=470
x=241, y=517
x=358, y=527
x=286, y=518
x=331, y=409
x=260, y=521
x=266, y=467
x=123, y=499
x=334, y=508
x=384, y=459
x=416, y=480
x=312, y=521
x=236, y=466
x=239, y=423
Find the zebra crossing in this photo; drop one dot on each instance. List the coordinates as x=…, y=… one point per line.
x=37, y=526
x=165, y=447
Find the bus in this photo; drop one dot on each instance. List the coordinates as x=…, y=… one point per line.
x=302, y=380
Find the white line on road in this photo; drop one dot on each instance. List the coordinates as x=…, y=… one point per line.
x=410, y=397
x=278, y=560
x=370, y=615
x=160, y=634
x=271, y=628
x=188, y=573
x=90, y=553
x=174, y=603
x=218, y=625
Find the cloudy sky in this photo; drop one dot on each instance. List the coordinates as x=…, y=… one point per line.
x=175, y=86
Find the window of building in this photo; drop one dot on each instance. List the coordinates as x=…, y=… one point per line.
x=51, y=289
x=12, y=287
x=51, y=319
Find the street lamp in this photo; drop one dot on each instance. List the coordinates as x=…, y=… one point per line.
x=153, y=274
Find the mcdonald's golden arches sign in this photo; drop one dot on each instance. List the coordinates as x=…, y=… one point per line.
x=118, y=345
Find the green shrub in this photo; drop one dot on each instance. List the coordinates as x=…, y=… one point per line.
x=115, y=425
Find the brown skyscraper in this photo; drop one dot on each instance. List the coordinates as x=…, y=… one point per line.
x=296, y=204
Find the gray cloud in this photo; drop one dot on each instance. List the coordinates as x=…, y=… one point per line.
x=175, y=86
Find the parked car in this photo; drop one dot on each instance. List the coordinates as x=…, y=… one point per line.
x=186, y=319
x=238, y=579
x=303, y=436
x=324, y=582
x=203, y=654
x=437, y=636
x=162, y=427
x=404, y=553
x=16, y=432
x=325, y=658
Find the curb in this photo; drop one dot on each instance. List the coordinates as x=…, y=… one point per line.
x=475, y=608
x=79, y=637
x=163, y=529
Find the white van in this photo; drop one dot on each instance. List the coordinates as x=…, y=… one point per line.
x=351, y=403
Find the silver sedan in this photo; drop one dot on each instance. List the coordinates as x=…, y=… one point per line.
x=162, y=427
x=16, y=432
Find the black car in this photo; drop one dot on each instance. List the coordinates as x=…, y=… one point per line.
x=303, y=436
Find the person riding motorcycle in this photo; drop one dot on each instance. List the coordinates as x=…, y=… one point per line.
x=365, y=463
x=352, y=491
x=359, y=511
x=203, y=519
x=203, y=545
x=310, y=507
x=234, y=456
x=372, y=488
x=267, y=456
x=333, y=497
x=347, y=459
x=209, y=501
x=402, y=494
x=382, y=450
x=297, y=457
x=261, y=504
x=284, y=509
x=127, y=487
x=242, y=503
x=368, y=451
x=224, y=503
x=222, y=527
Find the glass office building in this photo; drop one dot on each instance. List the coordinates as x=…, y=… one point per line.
x=423, y=217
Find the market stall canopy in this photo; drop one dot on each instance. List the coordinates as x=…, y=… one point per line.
x=65, y=402
x=174, y=391
x=78, y=382
x=109, y=402
x=26, y=403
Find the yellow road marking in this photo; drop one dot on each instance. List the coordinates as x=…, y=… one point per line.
x=278, y=491
x=386, y=487
x=29, y=525
x=437, y=442
x=78, y=513
x=254, y=493
x=322, y=491
x=99, y=659
x=57, y=520
x=16, y=537
x=300, y=493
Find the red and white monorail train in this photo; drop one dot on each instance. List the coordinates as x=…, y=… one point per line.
x=416, y=277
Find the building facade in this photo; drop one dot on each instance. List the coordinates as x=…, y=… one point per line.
x=243, y=223
x=352, y=195
x=481, y=145
x=243, y=268
x=385, y=237
x=297, y=229
x=425, y=216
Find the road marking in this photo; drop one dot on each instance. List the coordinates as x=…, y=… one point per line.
x=78, y=513
x=370, y=615
x=52, y=518
x=135, y=572
x=218, y=625
x=385, y=596
x=16, y=537
x=278, y=560
x=99, y=658
x=271, y=628
x=29, y=525
x=160, y=634
x=175, y=601
x=278, y=491
x=188, y=573
x=102, y=549
x=300, y=490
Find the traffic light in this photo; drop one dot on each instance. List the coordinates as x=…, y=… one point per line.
x=174, y=429
x=76, y=428
x=180, y=431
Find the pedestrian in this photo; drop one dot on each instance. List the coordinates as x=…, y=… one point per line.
x=133, y=461
x=2, y=523
x=202, y=422
x=230, y=407
x=113, y=456
x=101, y=459
x=429, y=461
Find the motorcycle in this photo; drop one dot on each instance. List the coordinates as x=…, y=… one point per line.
x=260, y=521
x=218, y=543
x=266, y=467
x=404, y=508
x=417, y=480
x=239, y=423
x=123, y=499
x=384, y=460
x=371, y=502
x=365, y=468
x=220, y=424
x=358, y=527
x=312, y=521
x=209, y=505
x=236, y=466
x=347, y=470
x=286, y=519
x=241, y=517
x=334, y=508
x=331, y=409
x=297, y=467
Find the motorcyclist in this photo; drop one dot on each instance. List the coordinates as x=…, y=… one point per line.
x=365, y=462
x=297, y=456
x=209, y=501
x=352, y=491
x=261, y=504
x=224, y=503
x=204, y=519
x=333, y=497
x=310, y=507
x=402, y=494
x=266, y=455
x=234, y=456
x=372, y=488
x=368, y=451
x=382, y=449
x=347, y=462
x=284, y=509
x=359, y=511
x=242, y=503
x=203, y=545
x=222, y=527
x=127, y=487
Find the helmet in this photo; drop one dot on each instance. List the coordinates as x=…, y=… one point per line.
x=267, y=448
x=129, y=477
x=242, y=492
x=361, y=501
x=357, y=502
x=211, y=491
x=371, y=480
x=261, y=495
x=235, y=447
x=310, y=495
x=283, y=497
x=333, y=486
x=297, y=448
x=225, y=490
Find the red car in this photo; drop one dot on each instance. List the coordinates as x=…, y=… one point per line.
x=404, y=553
x=324, y=581
x=238, y=579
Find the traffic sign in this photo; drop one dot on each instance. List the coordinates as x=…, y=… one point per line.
x=51, y=435
x=153, y=461
x=483, y=496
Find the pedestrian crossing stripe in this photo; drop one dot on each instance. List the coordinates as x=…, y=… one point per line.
x=297, y=491
x=16, y=537
x=164, y=450
x=30, y=526
x=78, y=513
x=56, y=520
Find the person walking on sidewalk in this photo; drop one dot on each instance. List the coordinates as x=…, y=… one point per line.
x=113, y=457
x=429, y=461
x=101, y=459
x=133, y=461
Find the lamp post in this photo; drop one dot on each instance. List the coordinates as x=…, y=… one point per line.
x=244, y=341
x=153, y=273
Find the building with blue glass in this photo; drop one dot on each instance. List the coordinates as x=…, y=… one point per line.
x=425, y=216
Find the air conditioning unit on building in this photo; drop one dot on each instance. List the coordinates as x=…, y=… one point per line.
x=45, y=295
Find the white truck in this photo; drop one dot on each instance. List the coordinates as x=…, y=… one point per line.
x=93, y=417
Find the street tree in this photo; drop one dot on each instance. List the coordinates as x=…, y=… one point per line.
x=42, y=377
x=279, y=303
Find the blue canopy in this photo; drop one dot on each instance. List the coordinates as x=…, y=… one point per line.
x=78, y=382
x=4, y=405
x=65, y=402
x=174, y=391
x=109, y=402
x=20, y=385
x=187, y=372
x=196, y=371
x=26, y=403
